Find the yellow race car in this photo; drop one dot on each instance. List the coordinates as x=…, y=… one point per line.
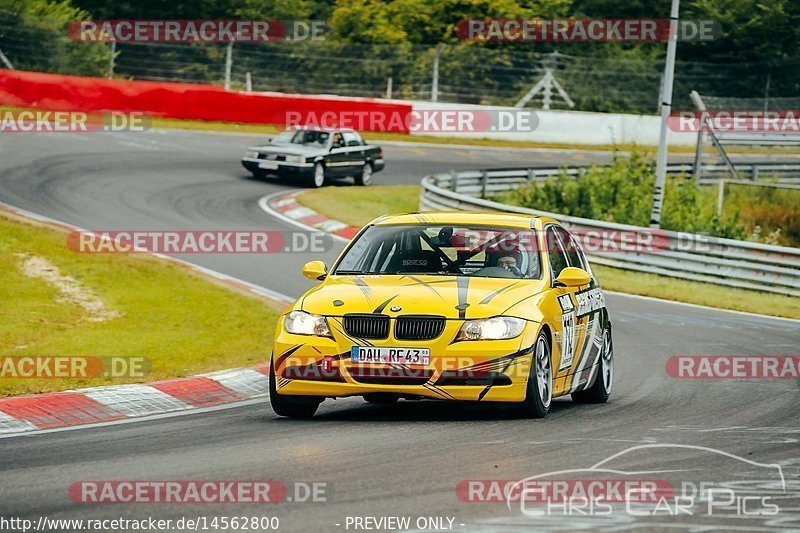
x=478, y=307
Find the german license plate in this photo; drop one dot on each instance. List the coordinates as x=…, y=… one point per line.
x=268, y=165
x=382, y=355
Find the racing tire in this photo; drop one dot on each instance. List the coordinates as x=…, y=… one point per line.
x=381, y=398
x=600, y=390
x=365, y=178
x=290, y=406
x=539, y=393
x=317, y=179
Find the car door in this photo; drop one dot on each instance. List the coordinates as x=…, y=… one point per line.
x=591, y=316
x=337, y=160
x=586, y=323
x=354, y=150
x=566, y=309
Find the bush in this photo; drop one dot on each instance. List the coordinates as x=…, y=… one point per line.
x=623, y=192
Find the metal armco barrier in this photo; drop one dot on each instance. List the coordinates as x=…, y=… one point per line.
x=729, y=262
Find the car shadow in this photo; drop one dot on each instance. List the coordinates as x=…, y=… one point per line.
x=423, y=411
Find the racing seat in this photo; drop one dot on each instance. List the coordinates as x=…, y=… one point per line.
x=415, y=261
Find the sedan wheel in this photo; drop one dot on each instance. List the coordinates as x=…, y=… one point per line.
x=600, y=389
x=544, y=374
x=318, y=180
x=539, y=393
x=365, y=178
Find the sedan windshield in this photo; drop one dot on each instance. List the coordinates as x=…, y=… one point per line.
x=319, y=138
x=445, y=251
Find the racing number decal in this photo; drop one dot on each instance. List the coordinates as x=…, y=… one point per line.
x=567, y=331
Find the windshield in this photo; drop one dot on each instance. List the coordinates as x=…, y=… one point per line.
x=444, y=250
x=319, y=138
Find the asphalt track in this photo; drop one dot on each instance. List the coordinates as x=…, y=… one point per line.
x=405, y=459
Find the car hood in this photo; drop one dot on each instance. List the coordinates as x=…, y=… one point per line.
x=288, y=149
x=455, y=297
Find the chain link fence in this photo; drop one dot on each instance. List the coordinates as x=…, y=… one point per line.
x=468, y=72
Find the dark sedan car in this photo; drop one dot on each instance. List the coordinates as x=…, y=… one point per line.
x=313, y=155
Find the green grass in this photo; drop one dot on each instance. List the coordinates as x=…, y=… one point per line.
x=374, y=136
x=769, y=214
x=359, y=205
x=183, y=322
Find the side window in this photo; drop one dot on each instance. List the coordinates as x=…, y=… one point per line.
x=574, y=254
x=555, y=251
x=351, y=139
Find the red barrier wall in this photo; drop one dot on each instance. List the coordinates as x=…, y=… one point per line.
x=186, y=101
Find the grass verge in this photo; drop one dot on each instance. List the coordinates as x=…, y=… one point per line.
x=374, y=136
x=359, y=205
x=184, y=323
x=272, y=129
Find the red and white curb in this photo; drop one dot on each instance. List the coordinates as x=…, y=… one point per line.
x=118, y=402
x=286, y=207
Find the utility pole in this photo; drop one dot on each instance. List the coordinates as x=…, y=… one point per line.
x=666, y=108
x=111, y=58
x=435, y=84
x=5, y=61
x=228, y=63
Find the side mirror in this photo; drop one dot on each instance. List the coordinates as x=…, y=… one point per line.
x=336, y=145
x=573, y=277
x=316, y=270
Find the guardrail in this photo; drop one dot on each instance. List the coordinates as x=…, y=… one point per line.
x=728, y=262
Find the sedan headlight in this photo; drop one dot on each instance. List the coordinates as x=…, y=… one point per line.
x=252, y=154
x=295, y=159
x=491, y=329
x=302, y=323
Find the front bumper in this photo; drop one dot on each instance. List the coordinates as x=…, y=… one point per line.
x=494, y=371
x=279, y=168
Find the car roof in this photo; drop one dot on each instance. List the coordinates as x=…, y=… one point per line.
x=463, y=218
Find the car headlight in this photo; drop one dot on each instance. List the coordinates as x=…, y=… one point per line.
x=295, y=159
x=252, y=154
x=302, y=323
x=491, y=329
